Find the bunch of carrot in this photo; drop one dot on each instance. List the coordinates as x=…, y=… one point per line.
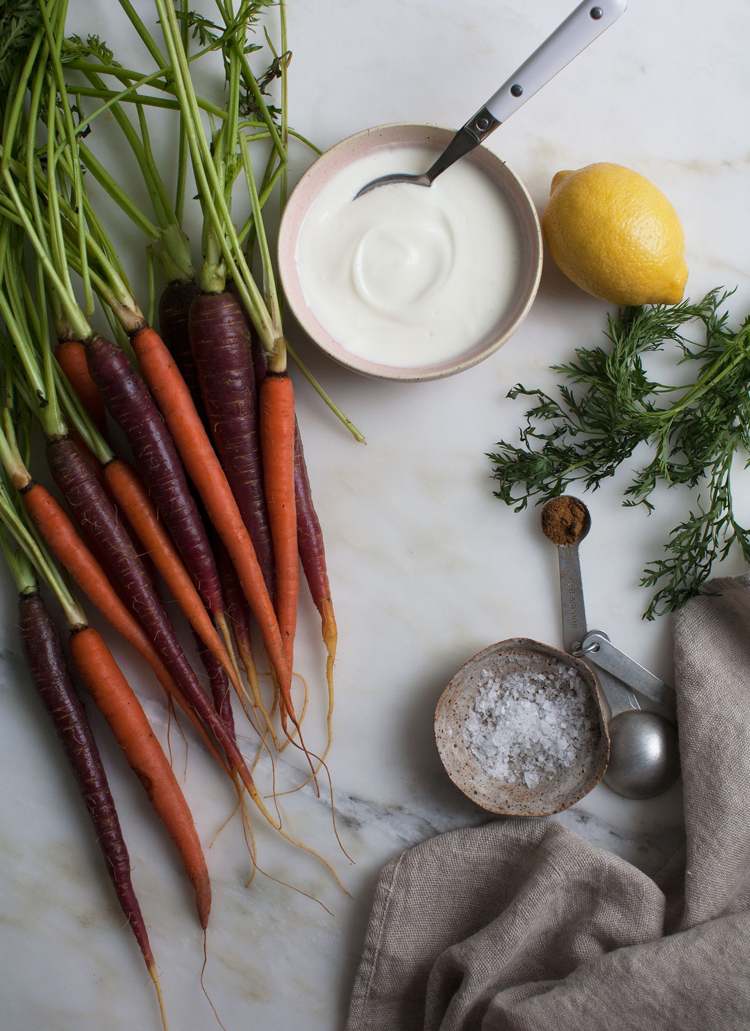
x=220, y=506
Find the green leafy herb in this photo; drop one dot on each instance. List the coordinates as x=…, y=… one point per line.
x=19, y=22
x=609, y=405
x=201, y=28
x=74, y=46
x=249, y=105
x=211, y=35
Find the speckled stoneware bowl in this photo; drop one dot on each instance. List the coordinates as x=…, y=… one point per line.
x=362, y=144
x=551, y=796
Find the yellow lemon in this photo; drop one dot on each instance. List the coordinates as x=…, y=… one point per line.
x=616, y=235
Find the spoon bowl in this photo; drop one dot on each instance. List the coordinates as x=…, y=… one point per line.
x=566, y=521
x=394, y=177
x=645, y=758
x=582, y=26
x=552, y=795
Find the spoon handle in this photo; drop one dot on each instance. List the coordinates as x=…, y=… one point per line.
x=598, y=649
x=572, y=605
x=573, y=610
x=586, y=23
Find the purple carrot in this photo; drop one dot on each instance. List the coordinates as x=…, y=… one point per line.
x=101, y=526
x=221, y=691
x=221, y=349
x=238, y=612
x=260, y=365
x=130, y=403
x=46, y=661
x=313, y=555
x=309, y=533
x=174, y=309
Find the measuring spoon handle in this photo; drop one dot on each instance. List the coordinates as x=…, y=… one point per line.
x=572, y=604
x=573, y=608
x=596, y=647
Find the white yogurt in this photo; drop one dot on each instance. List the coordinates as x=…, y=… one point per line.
x=409, y=276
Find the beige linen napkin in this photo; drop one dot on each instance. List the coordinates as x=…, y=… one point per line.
x=520, y=925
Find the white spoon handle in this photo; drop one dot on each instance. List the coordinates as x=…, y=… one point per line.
x=587, y=22
x=583, y=26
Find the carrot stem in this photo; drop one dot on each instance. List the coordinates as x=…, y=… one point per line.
x=284, y=183
x=78, y=322
x=118, y=195
x=70, y=133
x=212, y=197
x=324, y=396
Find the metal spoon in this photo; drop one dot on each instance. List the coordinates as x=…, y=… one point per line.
x=643, y=744
x=587, y=22
x=597, y=648
x=645, y=737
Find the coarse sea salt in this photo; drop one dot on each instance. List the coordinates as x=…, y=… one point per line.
x=526, y=727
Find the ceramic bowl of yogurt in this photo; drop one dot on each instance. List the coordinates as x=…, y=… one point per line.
x=406, y=282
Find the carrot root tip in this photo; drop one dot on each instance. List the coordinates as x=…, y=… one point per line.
x=154, y=975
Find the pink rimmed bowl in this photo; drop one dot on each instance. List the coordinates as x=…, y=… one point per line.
x=390, y=136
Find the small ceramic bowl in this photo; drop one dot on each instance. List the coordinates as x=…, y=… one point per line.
x=465, y=770
x=361, y=145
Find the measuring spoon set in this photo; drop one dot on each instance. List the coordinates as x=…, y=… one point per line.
x=641, y=718
x=635, y=751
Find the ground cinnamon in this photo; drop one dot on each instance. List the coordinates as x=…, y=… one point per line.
x=564, y=520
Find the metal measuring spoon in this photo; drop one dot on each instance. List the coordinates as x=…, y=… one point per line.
x=646, y=737
x=643, y=744
x=596, y=647
x=588, y=21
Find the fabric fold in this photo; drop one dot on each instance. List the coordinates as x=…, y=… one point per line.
x=521, y=925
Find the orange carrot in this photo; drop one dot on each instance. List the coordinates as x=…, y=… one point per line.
x=66, y=545
x=277, y=432
x=176, y=405
x=100, y=523
x=71, y=355
x=122, y=710
x=129, y=494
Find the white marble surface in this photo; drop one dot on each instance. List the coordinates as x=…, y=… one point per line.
x=426, y=566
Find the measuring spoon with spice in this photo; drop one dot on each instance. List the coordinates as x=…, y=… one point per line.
x=644, y=758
